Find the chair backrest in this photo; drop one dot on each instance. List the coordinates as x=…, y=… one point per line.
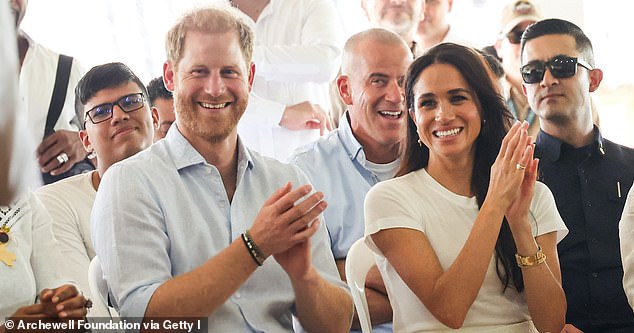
x=358, y=262
x=99, y=286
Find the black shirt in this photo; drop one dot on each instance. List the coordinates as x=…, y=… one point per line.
x=590, y=185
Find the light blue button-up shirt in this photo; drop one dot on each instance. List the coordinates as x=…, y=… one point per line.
x=165, y=212
x=336, y=165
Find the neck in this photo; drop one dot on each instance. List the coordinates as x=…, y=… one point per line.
x=381, y=154
x=96, y=179
x=252, y=8
x=432, y=37
x=224, y=156
x=23, y=47
x=577, y=133
x=454, y=175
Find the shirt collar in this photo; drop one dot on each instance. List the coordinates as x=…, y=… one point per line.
x=551, y=146
x=185, y=155
x=351, y=145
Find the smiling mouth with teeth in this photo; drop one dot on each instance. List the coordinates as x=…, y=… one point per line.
x=391, y=114
x=451, y=132
x=213, y=106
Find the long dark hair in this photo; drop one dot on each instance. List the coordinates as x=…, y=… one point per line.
x=496, y=121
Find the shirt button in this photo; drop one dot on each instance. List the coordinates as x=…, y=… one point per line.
x=238, y=295
x=588, y=204
x=222, y=205
x=595, y=275
x=595, y=241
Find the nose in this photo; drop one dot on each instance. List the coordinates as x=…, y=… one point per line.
x=444, y=113
x=395, y=92
x=214, y=85
x=548, y=79
x=118, y=114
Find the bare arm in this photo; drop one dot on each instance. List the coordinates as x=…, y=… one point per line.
x=446, y=293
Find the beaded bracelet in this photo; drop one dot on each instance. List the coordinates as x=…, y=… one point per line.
x=530, y=261
x=253, y=249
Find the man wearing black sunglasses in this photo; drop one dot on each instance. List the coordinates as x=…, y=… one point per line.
x=515, y=17
x=588, y=175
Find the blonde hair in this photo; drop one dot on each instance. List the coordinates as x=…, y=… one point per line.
x=208, y=20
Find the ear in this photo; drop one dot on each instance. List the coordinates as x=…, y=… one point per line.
x=596, y=76
x=344, y=89
x=168, y=76
x=251, y=75
x=155, y=117
x=524, y=88
x=450, y=5
x=85, y=141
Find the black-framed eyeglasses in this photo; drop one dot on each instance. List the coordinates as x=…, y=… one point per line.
x=560, y=67
x=127, y=103
x=514, y=36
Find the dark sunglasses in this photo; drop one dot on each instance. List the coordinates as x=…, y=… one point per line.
x=560, y=67
x=127, y=103
x=514, y=36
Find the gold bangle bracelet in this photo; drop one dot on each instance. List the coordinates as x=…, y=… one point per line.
x=530, y=261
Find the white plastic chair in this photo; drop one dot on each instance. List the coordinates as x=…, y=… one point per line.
x=358, y=262
x=99, y=286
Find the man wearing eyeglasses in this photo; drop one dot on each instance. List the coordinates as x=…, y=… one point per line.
x=589, y=175
x=111, y=104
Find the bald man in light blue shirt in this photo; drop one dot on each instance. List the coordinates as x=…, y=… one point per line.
x=364, y=149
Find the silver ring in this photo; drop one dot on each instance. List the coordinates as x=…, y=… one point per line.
x=520, y=167
x=62, y=158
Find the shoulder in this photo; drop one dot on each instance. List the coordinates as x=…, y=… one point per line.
x=624, y=153
x=68, y=186
x=397, y=188
x=323, y=147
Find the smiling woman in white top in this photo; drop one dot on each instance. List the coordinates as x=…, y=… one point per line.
x=465, y=236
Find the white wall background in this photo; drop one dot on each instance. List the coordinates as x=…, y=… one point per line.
x=132, y=31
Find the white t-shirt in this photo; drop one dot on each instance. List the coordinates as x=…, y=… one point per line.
x=38, y=261
x=417, y=201
x=626, y=235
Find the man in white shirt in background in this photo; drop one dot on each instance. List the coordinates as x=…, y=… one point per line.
x=15, y=141
x=399, y=16
x=296, y=52
x=61, y=150
x=435, y=27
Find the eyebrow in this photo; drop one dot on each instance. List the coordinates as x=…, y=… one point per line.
x=450, y=92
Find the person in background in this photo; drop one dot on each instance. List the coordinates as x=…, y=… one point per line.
x=112, y=105
x=588, y=174
x=59, y=153
x=515, y=17
x=297, y=52
x=211, y=211
x=162, y=104
x=399, y=16
x=466, y=237
x=435, y=26
x=364, y=149
x=33, y=283
x=17, y=167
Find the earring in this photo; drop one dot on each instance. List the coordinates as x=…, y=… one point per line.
x=92, y=155
x=420, y=144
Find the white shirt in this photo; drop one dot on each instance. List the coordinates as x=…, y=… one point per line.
x=69, y=202
x=417, y=201
x=37, y=79
x=626, y=236
x=297, y=52
x=38, y=263
x=16, y=146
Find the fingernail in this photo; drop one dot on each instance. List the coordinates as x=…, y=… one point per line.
x=59, y=307
x=63, y=315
